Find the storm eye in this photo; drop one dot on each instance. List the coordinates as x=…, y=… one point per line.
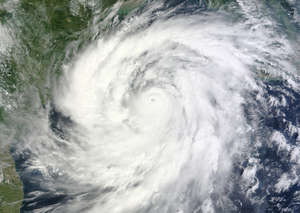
x=152, y=99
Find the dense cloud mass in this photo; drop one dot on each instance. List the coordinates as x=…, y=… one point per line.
x=177, y=109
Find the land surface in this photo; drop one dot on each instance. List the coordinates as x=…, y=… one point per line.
x=11, y=188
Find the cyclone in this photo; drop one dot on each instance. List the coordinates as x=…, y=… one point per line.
x=152, y=106
x=170, y=111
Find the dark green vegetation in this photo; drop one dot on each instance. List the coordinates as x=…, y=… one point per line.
x=45, y=28
x=1, y=114
x=4, y=16
x=128, y=6
x=48, y=32
x=11, y=188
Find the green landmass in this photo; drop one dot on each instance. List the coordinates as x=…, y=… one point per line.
x=129, y=6
x=11, y=188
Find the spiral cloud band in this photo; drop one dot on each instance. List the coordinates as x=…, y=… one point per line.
x=152, y=115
